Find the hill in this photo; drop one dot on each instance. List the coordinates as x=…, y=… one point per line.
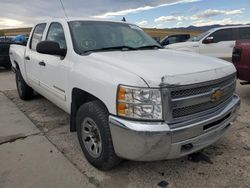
x=202, y=28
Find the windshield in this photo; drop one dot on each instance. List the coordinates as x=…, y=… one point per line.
x=199, y=37
x=102, y=36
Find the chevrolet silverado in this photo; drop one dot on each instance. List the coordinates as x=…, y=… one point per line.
x=127, y=96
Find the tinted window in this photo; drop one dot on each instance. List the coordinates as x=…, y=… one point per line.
x=184, y=38
x=244, y=33
x=56, y=34
x=172, y=40
x=225, y=35
x=37, y=35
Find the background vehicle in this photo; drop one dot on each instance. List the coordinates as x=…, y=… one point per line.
x=5, y=42
x=21, y=39
x=8, y=39
x=174, y=39
x=217, y=42
x=126, y=96
x=241, y=60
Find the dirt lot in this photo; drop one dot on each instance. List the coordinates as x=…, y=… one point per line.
x=224, y=164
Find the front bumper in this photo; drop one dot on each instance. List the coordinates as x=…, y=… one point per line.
x=150, y=141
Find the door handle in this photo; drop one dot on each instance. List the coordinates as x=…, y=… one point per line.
x=27, y=58
x=41, y=63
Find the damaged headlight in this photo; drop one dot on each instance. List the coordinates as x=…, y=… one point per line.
x=139, y=103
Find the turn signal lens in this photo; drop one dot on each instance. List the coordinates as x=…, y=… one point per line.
x=122, y=109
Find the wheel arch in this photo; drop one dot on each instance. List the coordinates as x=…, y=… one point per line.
x=78, y=98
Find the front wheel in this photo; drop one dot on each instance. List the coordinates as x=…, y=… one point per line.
x=25, y=92
x=94, y=135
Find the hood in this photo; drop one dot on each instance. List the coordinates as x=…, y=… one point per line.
x=164, y=66
x=182, y=45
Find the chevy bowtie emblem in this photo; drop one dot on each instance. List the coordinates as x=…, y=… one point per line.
x=216, y=96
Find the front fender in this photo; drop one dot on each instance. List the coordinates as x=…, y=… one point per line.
x=101, y=80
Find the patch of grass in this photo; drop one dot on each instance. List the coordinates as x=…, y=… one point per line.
x=161, y=33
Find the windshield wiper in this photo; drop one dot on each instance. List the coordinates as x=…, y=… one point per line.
x=150, y=47
x=123, y=48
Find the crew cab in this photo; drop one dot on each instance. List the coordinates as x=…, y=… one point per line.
x=241, y=60
x=218, y=42
x=127, y=96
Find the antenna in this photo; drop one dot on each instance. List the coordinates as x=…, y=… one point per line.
x=124, y=19
x=65, y=13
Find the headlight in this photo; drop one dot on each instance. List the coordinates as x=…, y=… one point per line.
x=139, y=103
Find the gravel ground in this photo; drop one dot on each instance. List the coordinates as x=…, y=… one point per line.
x=224, y=164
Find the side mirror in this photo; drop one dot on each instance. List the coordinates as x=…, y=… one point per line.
x=50, y=48
x=208, y=40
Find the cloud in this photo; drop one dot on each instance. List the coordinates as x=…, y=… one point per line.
x=213, y=12
x=179, y=23
x=142, y=23
x=226, y=21
x=140, y=9
x=37, y=10
x=170, y=18
x=202, y=18
x=6, y=23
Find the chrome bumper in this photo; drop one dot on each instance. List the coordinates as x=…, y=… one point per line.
x=150, y=141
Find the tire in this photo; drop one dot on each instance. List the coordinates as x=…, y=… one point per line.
x=89, y=113
x=25, y=92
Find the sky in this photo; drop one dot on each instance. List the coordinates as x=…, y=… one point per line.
x=145, y=13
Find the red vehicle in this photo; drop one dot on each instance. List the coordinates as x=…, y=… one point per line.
x=241, y=60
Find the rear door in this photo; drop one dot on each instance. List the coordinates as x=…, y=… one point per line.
x=32, y=57
x=222, y=45
x=54, y=72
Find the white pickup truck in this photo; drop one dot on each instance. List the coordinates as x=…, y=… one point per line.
x=127, y=97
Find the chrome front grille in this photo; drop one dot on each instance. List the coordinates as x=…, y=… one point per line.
x=190, y=101
x=203, y=89
x=180, y=112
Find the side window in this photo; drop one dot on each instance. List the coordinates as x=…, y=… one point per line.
x=172, y=40
x=221, y=35
x=225, y=35
x=56, y=34
x=37, y=35
x=244, y=33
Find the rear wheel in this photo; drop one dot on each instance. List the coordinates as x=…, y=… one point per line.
x=94, y=135
x=25, y=92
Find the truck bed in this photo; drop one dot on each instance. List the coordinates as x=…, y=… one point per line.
x=17, y=54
